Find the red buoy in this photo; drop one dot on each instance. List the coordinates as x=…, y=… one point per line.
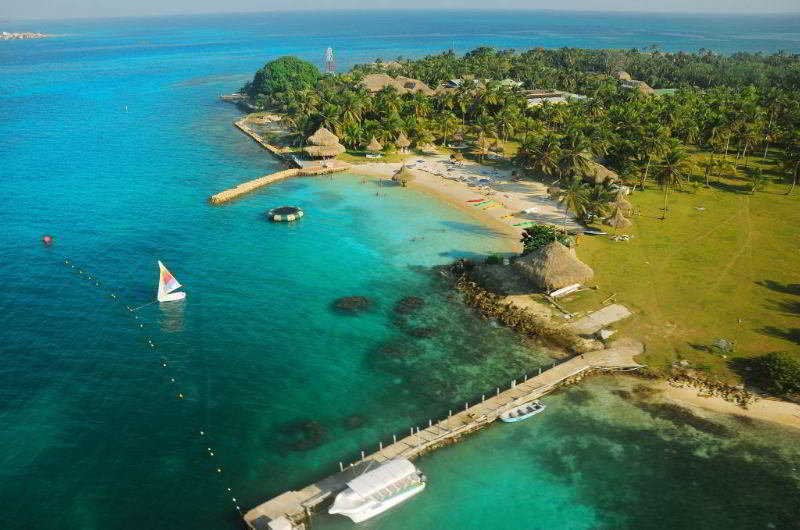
x=47, y=240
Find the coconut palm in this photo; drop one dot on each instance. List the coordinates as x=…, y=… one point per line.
x=574, y=198
x=673, y=169
x=572, y=160
x=540, y=155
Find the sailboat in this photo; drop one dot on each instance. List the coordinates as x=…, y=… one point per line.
x=166, y=284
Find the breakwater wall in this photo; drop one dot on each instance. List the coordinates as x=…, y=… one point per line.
x=293, y=509
x=252, y=185
x=276, y=152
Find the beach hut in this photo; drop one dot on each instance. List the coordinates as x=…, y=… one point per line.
x=622, y=75
x=374, y=146
x=553, y=266
x=428, y=148
x=457, y=157
x=402, y=142
x=622, y=204
x=403, y=176
x=600, y=174
x=324, y=144
x=618, y=220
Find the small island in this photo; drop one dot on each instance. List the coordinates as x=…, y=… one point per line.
x=5, y=35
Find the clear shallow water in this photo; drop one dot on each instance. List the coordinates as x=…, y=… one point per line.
x=111, y=140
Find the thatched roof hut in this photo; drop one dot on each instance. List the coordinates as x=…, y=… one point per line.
x=497, y=146
x=324, y=144
x=457, y=156
x=402, y=141
x=618, y=220
x=553, y=266
x=622, y=75
x=622, y=204
x=374, y=145
x=599, y=174
x=403, y=176
x=428, y=148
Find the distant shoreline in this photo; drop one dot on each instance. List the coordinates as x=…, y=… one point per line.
x=5, y=35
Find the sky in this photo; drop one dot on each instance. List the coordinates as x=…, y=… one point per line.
x=54, y=9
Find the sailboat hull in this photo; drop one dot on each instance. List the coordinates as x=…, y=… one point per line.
x=171, y=297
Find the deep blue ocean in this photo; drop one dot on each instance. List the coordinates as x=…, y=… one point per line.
x=112, y=138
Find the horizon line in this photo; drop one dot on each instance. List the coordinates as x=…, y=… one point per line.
x=398, y=10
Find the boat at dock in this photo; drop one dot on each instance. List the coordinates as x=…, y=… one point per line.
x=522, y=412
x=378, y=490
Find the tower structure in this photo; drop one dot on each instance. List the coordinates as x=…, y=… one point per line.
x=330, y=62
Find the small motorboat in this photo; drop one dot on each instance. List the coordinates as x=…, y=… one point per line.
x=522, y=412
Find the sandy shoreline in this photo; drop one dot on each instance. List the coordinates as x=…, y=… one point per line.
x=515, y=197
x=513, y=202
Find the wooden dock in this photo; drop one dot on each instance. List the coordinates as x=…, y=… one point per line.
x=292, y=510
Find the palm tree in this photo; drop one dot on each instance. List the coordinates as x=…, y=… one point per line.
x=574, y=198
x=540, y=155
x=652, y=143
x=791, y=159
x=757, y=179
x=572, y=160
x=674, y=168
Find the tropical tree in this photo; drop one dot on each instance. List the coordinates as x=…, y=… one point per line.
x=574, y=197
x=540, y=155
x=674, y=169
x=574, y=150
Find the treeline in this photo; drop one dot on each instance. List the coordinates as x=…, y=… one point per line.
x=643, y=137
x=576, y=69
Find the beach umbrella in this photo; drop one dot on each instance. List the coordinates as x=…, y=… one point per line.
x=553, y=266
x=428, y=148
x=403, y=176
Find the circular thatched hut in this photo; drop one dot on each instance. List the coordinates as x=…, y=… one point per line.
x=324, y=144
x=622, y=75
x=374, y=145
x=618, y=220
x=553, y=266
x=402, y=142
x=403, y=176
x=622, y=204
x=428, y=148
x=457, y=157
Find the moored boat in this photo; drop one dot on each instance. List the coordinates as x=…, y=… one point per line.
x=522, y=412
x=378, y=490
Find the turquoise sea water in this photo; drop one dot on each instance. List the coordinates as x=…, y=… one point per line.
x=111, y=139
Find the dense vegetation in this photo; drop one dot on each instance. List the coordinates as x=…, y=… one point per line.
x=779, y=372
x=744, y=104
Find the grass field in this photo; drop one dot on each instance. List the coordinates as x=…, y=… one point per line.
x=725, y=263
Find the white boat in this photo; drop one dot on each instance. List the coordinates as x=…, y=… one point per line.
x=378, y=490
x=166, y=284
x=522, y=412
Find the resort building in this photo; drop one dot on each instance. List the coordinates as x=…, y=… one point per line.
x=537, y=97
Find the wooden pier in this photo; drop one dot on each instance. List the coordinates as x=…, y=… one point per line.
x=291, y=510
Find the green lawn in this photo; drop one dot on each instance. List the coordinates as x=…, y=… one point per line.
x=724, y=264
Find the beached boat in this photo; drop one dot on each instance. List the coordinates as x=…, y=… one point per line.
x=524, y=411
x=378, y=490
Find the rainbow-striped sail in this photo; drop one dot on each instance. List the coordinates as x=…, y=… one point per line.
x=166, y=284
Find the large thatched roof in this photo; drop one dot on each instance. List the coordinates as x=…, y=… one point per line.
x=618, y=220
x=403, y=176
x=324, y=144
x=622, y=204
x=457, y=156
x=402, y=141
x=599, y=174
x=403, y=85
x=374, y=145
x=622, y=75
x=553, y=266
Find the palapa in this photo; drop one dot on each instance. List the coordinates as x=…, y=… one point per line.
x=622, y=204
x=374, y=145
x=618, y=220
x=553, y=266
x=402, y=141
x=600, y=174
x=622, y=75
x=325, y=144
x=428, y=148
x=403, y=176
x=458, y=157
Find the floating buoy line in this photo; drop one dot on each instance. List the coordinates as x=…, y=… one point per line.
x=217, y=468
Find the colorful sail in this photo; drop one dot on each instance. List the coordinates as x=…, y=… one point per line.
x=166, y=284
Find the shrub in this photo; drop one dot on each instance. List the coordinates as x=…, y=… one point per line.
x=779, y=372
x=540, y=235
x=493, y=259
x=282, y=75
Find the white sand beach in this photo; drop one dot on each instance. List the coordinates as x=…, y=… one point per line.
x=511, y=203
